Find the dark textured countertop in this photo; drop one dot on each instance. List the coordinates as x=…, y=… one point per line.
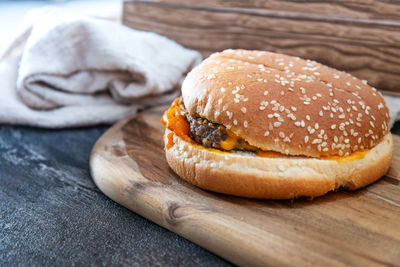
x=51, y=213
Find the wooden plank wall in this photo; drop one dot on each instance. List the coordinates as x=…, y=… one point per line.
x=358, y=36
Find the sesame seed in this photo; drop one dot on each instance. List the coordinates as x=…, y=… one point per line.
x=245, y=124
x=308, y=117
x=235, y=122
x=277, y=124
x=211, y=76
x=306, y=139
x=297, y=123
x=223, y=90
x=243, y=109
x=316, y=125
x=281, y=167
x=266, y=133
x=265, y=92
x=333, y=126
x=316, y=141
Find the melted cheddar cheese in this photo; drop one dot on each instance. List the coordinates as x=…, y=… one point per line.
x=270, y=154
x=170, y=138
x=174, y=119
x=230, y=142
x=351, y=157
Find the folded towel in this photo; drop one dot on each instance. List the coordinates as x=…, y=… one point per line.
x=65, y=70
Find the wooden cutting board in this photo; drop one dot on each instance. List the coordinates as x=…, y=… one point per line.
x=342, y=228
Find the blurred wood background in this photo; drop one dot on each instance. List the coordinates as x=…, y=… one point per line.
x=359, y=36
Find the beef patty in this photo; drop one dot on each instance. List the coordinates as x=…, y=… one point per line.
x=205, y=132
x=210, y=134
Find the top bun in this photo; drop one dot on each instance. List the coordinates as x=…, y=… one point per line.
x=287, y=104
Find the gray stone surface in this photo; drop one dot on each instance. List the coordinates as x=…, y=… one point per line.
x=51, y=213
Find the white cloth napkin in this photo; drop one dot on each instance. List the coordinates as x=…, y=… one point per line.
x=65, y=70
x=393, y=102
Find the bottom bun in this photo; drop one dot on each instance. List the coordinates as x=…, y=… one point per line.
x=247, y=175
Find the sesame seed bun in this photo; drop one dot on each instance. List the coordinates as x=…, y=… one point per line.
x=247, y=175
x=287, y=104
x=320, y=119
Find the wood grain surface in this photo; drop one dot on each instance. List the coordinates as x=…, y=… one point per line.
x=361, y=37
x=342, y=228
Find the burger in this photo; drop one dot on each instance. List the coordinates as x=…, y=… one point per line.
x=264, y=125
